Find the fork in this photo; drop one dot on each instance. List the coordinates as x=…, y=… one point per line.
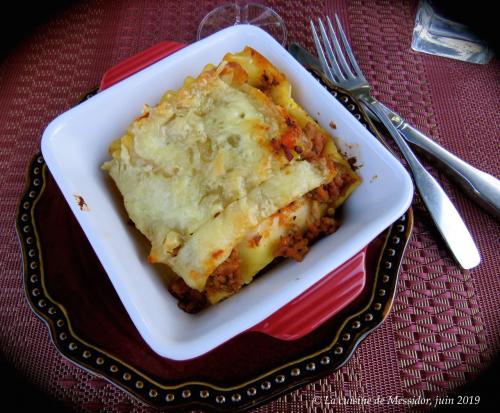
x=346, y=73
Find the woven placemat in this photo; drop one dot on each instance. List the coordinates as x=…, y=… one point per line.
x=444, y=328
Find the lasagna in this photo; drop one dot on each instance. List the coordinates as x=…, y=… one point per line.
x=227, y=174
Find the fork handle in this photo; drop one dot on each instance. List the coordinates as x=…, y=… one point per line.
x=483, y=188
x=443, y=212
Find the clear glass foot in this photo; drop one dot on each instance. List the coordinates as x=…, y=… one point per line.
x=251, y=13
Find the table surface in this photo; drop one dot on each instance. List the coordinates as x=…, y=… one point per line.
x=444, y=328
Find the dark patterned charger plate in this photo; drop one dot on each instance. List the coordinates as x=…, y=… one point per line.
x=67, y=288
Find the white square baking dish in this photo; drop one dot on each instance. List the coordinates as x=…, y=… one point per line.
x=75, y=144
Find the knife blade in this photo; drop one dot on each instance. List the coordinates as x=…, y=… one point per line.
x=481, y=187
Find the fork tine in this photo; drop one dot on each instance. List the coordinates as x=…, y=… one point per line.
x=340, y=53
x=331, y=55
x=321, y=54
x=347, y=47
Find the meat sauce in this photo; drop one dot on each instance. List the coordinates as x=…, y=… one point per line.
x=226, y=277
x=190, y=300
x=308, y=145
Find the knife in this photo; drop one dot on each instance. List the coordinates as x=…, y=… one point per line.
x=481, y=187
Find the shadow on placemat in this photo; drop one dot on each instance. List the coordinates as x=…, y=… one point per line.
x=485, y=386
x=21, y=395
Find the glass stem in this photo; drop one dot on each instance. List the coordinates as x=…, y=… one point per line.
x=241, y=11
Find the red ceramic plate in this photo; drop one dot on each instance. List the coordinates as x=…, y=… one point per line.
x=309, y=337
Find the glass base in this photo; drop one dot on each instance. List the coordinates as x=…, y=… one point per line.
x=231, y=14
x=437, y=35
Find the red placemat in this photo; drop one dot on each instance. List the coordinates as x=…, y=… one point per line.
x=444, y=327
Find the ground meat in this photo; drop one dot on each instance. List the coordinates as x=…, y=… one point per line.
x=292, y=246
x=295, y=245
x=352, y=162
x=339, y=184
x=276, y=145
x=323, y=226
x=334, y=187
x=190, y=300
x=226, y=277
x=316, y=142
x=321, y=194
x=331, y=191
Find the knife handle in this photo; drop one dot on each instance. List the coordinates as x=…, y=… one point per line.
x=444, y=214
x=480, y=186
